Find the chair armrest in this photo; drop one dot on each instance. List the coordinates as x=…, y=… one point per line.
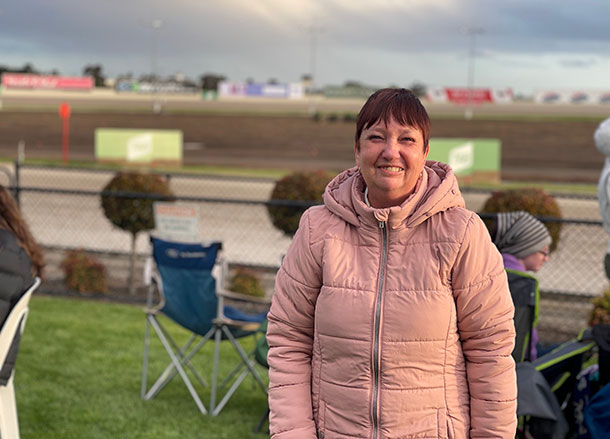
x=243, y=297
x=246, y=326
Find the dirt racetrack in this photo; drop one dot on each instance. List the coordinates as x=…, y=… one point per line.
x=550, y=150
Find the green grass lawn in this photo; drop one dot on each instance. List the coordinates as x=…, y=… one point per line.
x=78, y=376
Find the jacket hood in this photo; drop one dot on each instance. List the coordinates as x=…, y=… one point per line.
x=602, y=137
x=436, y=191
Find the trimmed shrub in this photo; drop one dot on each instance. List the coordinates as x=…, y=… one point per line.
x=350, y=117
x=133, y=214
x=600, y=314
x=316, y=117
x=246, y=281
x=299, y=186
x=533, y=200
x=332, y=117
x=83, y=272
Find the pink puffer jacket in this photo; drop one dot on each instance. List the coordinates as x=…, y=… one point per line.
x=392, y=323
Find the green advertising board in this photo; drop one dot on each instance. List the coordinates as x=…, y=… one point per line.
x=468, y=157
x=138, y=146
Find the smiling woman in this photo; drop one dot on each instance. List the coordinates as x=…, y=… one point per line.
x=391, y=315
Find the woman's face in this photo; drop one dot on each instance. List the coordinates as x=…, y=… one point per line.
x=535, y=261
x=391, y=158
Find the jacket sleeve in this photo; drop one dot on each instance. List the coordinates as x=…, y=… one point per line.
x=290, y=336
x=485, y=323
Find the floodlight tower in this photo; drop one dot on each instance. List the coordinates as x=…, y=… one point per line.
x=472, y=32
x=314, y=30
x=155, y=25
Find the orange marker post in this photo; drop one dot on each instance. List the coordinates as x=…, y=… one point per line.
x=64, y=114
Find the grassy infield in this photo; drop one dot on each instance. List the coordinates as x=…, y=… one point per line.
x=78, y=376
x=78, y=371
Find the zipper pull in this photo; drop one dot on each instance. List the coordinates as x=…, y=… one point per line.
x=382, y=224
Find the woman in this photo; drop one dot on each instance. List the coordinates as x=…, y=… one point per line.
x=391, y=316
x=525, y=245
x=20, y=261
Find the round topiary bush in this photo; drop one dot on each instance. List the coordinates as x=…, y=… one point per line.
x=84, y=273
x=130, y=212
x=533, y=200
x=600, y=314
x=299, y=186
x=245, y=281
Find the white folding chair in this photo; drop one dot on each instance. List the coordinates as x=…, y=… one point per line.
x=9, y=423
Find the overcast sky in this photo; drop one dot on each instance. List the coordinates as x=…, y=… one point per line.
x=525, y=44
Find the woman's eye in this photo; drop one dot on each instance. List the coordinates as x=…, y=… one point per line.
x=374, y=137
x=408, y=139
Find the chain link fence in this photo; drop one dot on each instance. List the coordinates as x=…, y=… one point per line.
x=63, y=208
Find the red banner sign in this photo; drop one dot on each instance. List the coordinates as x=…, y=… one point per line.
x=46, y=82
x=461, y=95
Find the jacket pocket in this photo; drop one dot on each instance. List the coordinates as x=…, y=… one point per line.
x=321, y=416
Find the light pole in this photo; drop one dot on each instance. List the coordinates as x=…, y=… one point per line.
x=472, y=32
x=314, y=30
x=155, y=25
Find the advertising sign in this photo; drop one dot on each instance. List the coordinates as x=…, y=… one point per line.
x=46, y=82
x=237, y=89
x=460, y=95
x=176, y=221
x=474, y=158
x=138, y=146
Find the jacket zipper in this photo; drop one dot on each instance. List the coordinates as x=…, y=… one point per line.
x=384, y=247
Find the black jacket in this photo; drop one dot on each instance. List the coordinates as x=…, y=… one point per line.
x=15, y=278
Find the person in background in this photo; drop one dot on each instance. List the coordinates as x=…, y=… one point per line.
x=602, y=143
x=524, y=243
x=21, y=259
x=391, y=316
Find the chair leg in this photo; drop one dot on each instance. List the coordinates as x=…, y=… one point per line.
x=178, y=366
x=170, y=371
x=217, y=340
x=145, y=360
x=9, y=423
x=215, y=410
x=261, y=421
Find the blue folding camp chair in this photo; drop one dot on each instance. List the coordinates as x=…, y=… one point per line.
x=191, y=296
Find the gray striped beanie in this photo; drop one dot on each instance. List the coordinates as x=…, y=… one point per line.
x=520, y=234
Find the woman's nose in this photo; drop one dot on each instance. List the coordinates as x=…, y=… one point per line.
x=390, y=149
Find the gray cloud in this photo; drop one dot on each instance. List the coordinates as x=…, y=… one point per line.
x=266, y=38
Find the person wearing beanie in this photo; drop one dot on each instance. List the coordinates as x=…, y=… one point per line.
x=602, y=143
x=524, y=243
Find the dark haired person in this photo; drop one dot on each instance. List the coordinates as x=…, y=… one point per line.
x=391, y=316
x=21, y=259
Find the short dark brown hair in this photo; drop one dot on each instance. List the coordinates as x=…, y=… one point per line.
x=399, y=104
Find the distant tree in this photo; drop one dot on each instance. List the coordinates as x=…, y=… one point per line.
x=305, y=77
x=272, y=81
x=250, y=81
x=419, y=89
x=209, y=81
x=352, y=84
x=95, y=71
x=27, y=68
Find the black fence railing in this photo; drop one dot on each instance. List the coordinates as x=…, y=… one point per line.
x=63, y=208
